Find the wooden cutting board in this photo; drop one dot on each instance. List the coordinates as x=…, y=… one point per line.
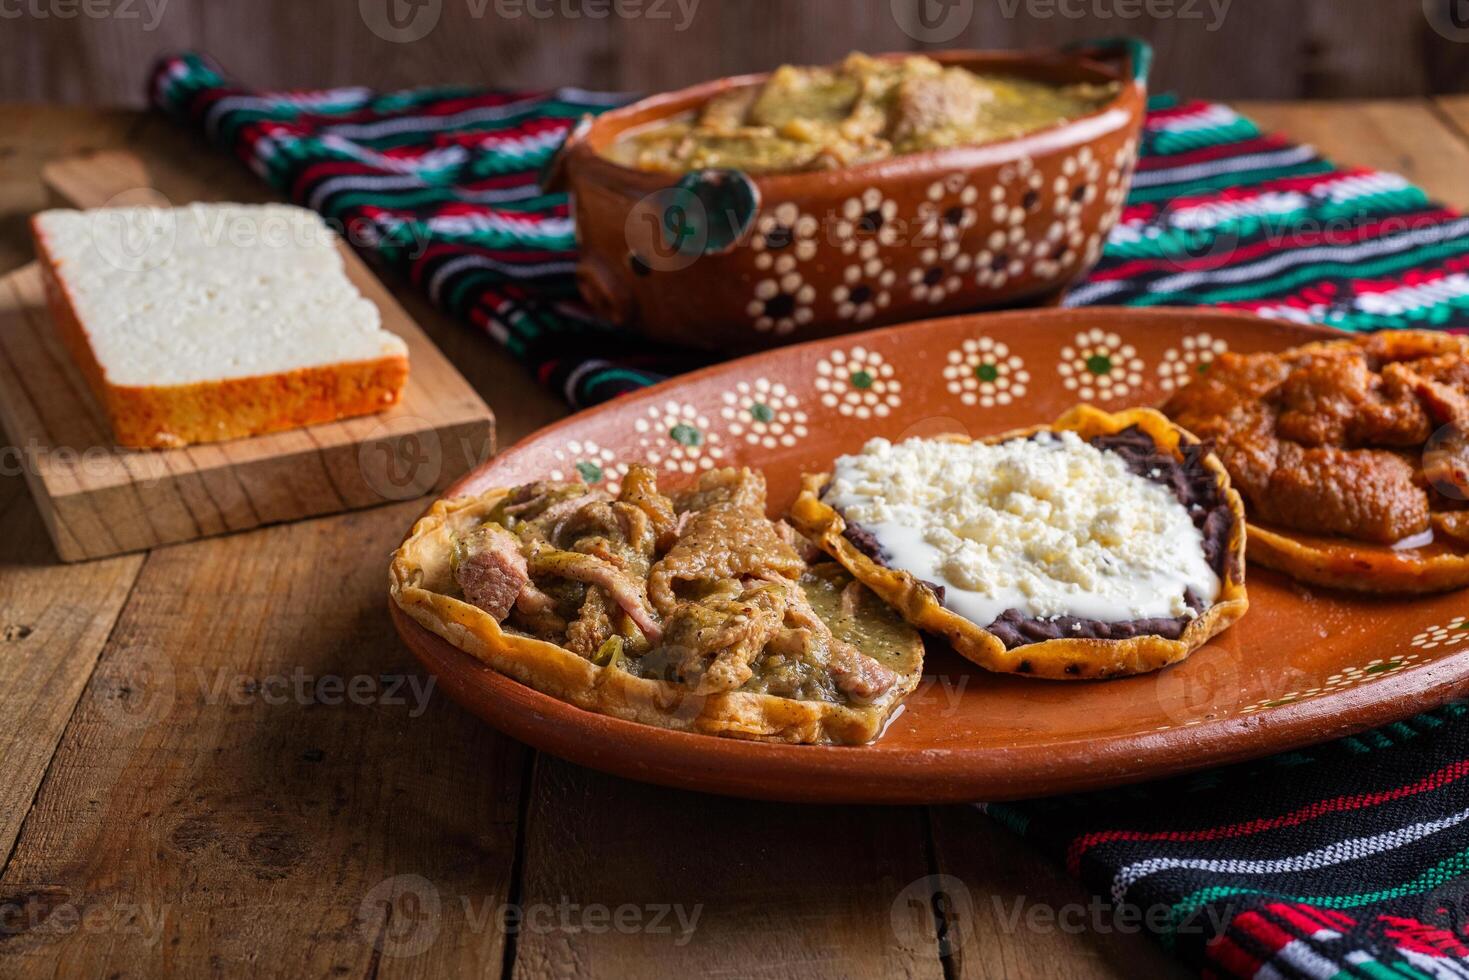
x=98, y=500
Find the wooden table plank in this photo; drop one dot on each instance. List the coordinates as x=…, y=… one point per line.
x=1014, y=914
x=1454, y=110
x=743, y=889
x=53, y=620
x=254, y=765
x=53, y=624
x=1408, y=137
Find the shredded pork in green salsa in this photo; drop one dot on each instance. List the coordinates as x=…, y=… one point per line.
x=864, y=109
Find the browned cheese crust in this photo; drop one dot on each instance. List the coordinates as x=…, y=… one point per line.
x=1060, y=659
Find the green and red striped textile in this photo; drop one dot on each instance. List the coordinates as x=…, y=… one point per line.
x=441, y=185
x=1350, y=859
x=1221, y=214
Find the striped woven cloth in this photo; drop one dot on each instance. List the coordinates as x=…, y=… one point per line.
x=441, y=185
x=1349, y=859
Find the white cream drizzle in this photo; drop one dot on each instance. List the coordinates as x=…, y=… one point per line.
x=1420, y=540
x=1051, y=526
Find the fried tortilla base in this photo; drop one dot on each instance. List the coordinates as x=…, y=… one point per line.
x=421, y=582
x=1356, y=565
x=1061, y=659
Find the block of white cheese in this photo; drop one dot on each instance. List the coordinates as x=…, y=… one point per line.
x=214, y=321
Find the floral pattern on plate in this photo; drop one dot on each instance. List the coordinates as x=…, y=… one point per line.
x=782, y=302
x=1346, y=677
x=784, y=230
x=764, y=413
x=950, y=209
x=865, y=289
x=858, y=382
x=982, y=371
x=677, y=437
x=1190, y=358
x=865, y=220
x=589, y=462
x=1097, y=364
x=938, y=273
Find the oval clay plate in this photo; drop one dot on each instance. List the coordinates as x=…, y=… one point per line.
x=1304, y=665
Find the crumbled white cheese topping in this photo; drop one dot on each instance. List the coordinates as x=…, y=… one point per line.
x=1050, y=526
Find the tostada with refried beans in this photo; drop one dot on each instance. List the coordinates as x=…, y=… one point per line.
x=1100, y=546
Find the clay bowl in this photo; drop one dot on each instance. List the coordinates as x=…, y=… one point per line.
x=730, y=262
x=1304, y=664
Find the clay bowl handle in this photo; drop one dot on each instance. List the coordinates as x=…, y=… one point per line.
x=709, y=212
x=552, y=178
x=1136, y=54
x=706, y=213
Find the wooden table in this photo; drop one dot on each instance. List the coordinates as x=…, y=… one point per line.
x=217, y=758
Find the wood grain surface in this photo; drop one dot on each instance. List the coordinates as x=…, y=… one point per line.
x=173, y=806
x=250, y=764
x=53, y=623
x=1413, y=139
x=1209, y=48
x=764, y=890
x=99, y=500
